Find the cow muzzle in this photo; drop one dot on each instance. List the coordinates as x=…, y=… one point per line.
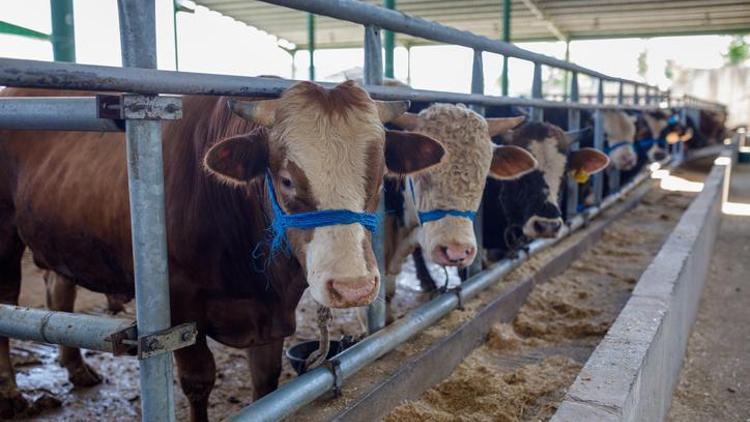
x=542, y=227
x=454, y=255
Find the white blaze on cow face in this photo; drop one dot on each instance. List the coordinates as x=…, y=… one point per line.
x=456, y=184
x=552, y=164
x=619, y=127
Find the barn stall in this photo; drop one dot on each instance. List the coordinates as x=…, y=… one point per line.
x=152, y=338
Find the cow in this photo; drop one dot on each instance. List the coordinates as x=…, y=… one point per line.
x=433, y=211
x=231, y=180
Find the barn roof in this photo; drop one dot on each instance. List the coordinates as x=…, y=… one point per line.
x=532, y=20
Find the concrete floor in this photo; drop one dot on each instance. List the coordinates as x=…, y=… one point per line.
x=715, y=379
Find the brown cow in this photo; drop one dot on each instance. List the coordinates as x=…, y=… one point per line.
x=64, y=196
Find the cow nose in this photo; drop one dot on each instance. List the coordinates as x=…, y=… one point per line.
x=454, y=255
x=660, y=155
x=351, y=292
x=547, y=228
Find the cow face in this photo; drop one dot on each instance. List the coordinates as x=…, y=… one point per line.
x=325, y=149
x=458, y=183
x=619, y=128
x=532, y=202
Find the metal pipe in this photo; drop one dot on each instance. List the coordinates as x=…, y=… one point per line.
x=599, y=142
x=373, y=75
x=63, y=31
x=68, y=329
x=56, y=113
x=311, y=45
x=369, y=14
x=147, y=216
x=299, y=391
x=40, y=74
x=574, y=123
x=21, y=31
x=537, y=114
x=389, y=38
x=477, y=87
x=506, y=38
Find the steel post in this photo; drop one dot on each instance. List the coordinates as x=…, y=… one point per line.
x=599, y=143
x=147, y=216
x=63, y=31
x=21, y=31
x=537, y=113
x=506, y=38
x=68, y=329
x=311, y=45
x=613, y=175
x=574, y=123
x=58, y=113
x=636, y=95
x=477, y=87
x=373, y=75
x=621, y=93
x=389, y=41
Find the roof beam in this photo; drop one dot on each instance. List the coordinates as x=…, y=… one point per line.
x=544, y=18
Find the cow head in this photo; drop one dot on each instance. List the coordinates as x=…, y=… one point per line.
x=531, y=203
x=324, y=149
x=619, y=128
x=458, y=183
x=665, y=128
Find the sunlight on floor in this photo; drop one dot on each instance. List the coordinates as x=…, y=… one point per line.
x=736, y=208
x=674, y=183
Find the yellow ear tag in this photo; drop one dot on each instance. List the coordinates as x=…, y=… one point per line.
x=581, y=176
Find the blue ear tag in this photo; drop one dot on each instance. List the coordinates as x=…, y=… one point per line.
x=438, y=213
x=673, y=119
x=311, y=219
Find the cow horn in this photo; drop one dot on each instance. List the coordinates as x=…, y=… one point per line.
x=499, y=125
x=262, y=112
x=406, y=121
x=389, y=110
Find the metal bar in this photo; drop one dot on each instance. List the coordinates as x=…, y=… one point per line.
x=11, y=29
x=311, y=45
x=67, y=329
x=621, y=93
x=147, y=216
x=40, y=74
x=63, y=33
x=537, y=114
x=58, y=113
x=373, y=75
x=574, y=123
x=599, y=143
x=304, y=389
x=506, y=38
x=368, y=14
x=389, y=40
x=636, y=96
x=566, y=80
x=477, y=87
x=613, y=174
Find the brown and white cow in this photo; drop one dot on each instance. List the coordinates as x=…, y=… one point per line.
x=64, y=196
x=619, y=130
x=455, y=185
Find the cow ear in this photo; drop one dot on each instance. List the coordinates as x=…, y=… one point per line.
x=510, y=162
x=389, y=110
x=409, y=152
x=688, y=135
x=240, y=158
x=407, y=121
x=499, y=125
x=588, y=161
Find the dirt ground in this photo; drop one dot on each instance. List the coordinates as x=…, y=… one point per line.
x=715, y=379
x=524, y=368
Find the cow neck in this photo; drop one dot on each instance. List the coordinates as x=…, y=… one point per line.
x=436, y=213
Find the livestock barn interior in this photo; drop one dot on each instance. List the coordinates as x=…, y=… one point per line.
x=408, y=210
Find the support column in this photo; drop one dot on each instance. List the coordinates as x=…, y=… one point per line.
x=506, y=38
x=574, y=124
x=147, y=216
x=537, y=113
x=599, y=142
x=389, y=39
x=63, y=31
x=311, y=44
x=477, y=87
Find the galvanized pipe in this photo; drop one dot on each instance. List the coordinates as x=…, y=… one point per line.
x=373, y=75
x=537, y=114
x=311, y=45
x=68, y=329
x=147, y=216
x=574, y=123
x=599, y=142
x=40, y=74
x=54, y=113
x=302, y=390
x=389, y=39
x=477, y=87
x=63, y=30
x=506, y=38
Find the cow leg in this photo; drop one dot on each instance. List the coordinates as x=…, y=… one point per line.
x=426, y=282
x=196, y=371
x=11, y=252
x=265, y=367
x=61, y=296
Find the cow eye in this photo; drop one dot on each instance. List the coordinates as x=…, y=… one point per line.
x=287, y=182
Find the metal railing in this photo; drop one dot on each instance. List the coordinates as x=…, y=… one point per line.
x=139, y=115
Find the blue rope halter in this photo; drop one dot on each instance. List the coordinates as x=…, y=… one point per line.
x=609, y=148
x=438, y=213
x=646, y=144
x=673, y=119
x=311, y=219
